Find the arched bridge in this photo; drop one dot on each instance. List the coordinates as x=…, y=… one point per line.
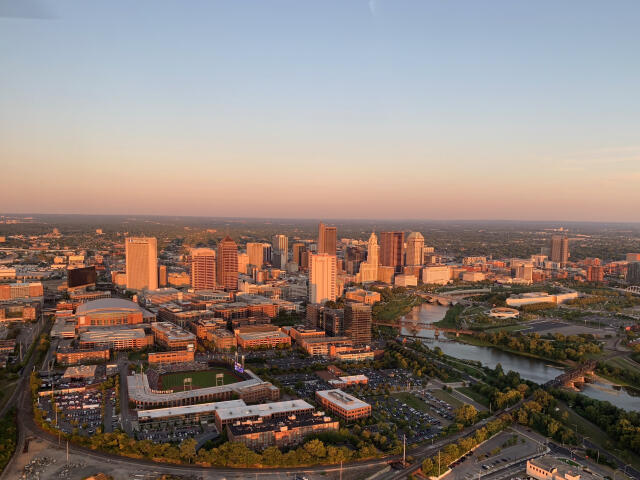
x=634, y=289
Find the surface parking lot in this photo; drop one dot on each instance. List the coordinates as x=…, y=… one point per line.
x=78, y=411
x=416, y=424
x=496, y=454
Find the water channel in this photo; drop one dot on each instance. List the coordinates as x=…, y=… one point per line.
x=531, y=369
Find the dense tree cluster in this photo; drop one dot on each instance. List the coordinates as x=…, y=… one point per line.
x=540, y=414
x=501, y=389
x=621, y=425
x=556, y=347
x=629, y=376
x=394, y=303
x=8, y=437
x=438, y=464
x=399, y=356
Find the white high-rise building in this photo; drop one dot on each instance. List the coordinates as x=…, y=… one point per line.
x=141, y=263
x=322, y=278
x=436, y=274
x=369, y=269
x=415, y=248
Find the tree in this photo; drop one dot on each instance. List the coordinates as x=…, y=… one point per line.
x=466, y=414
x=188, y=450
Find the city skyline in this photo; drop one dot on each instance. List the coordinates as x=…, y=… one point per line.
x=416, y=110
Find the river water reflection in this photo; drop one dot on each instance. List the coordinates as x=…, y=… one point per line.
x=531, y=369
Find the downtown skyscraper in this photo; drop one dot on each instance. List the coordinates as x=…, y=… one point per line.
x=392, y=250
x=227, y=264
x=141, y=258
x=327, y=239
x=203, y=269
x=559, y=249
x=415, y=248
x=323, y=278
x=279, y=251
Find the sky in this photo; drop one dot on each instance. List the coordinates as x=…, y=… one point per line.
x=448, y=109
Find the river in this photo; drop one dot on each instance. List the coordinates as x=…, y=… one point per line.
x=529, y=368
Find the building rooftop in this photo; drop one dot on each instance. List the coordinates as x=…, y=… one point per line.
x=552, y=464
x=286, y=423
x=105, y=305
x=259, y=335
x=188, y=409
x=342, y=399
x=263, y=409
x=172, y=331
x=110, y=334
x=80, y=371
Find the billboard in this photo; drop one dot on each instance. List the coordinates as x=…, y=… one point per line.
x=81, y=277
x=238, y=367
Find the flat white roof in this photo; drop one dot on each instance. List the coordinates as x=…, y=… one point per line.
x=263, y=410
x=354, y=378
x=188, y=409
x=342, y=399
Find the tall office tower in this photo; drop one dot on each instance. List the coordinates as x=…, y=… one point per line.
x=392, y=249
x=369, y=270
x=357, y=323
x=633, y=273
x=559, y=249
x=353, y=257
x=297, y=250
x=322, y=278
x=415, y=248
x=256, y=252
x=279, y=251
x=203, y=269
x=522, y=270
x=162, y=276
x=333, y=322
x=243, y=263
x=141, y=263
x=227, y=264
x=327, y=239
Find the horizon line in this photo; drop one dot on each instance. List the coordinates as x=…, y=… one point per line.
x=320, y=219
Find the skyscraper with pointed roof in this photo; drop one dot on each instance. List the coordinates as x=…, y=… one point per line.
x=369, y=269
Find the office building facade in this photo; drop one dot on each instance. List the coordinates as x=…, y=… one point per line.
x=227, y=264
x=141, y=263
x=322, y=278
x=203, y=269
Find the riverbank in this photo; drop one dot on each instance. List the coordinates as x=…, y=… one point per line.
x=475, y=341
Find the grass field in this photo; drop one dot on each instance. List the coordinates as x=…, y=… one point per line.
x=412, y=401
x=481, y=399
x=200, y=379
x=447, y=397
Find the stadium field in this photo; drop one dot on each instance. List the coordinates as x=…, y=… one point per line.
x=200, y=379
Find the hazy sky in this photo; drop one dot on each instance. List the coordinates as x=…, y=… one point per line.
x=364, y=109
